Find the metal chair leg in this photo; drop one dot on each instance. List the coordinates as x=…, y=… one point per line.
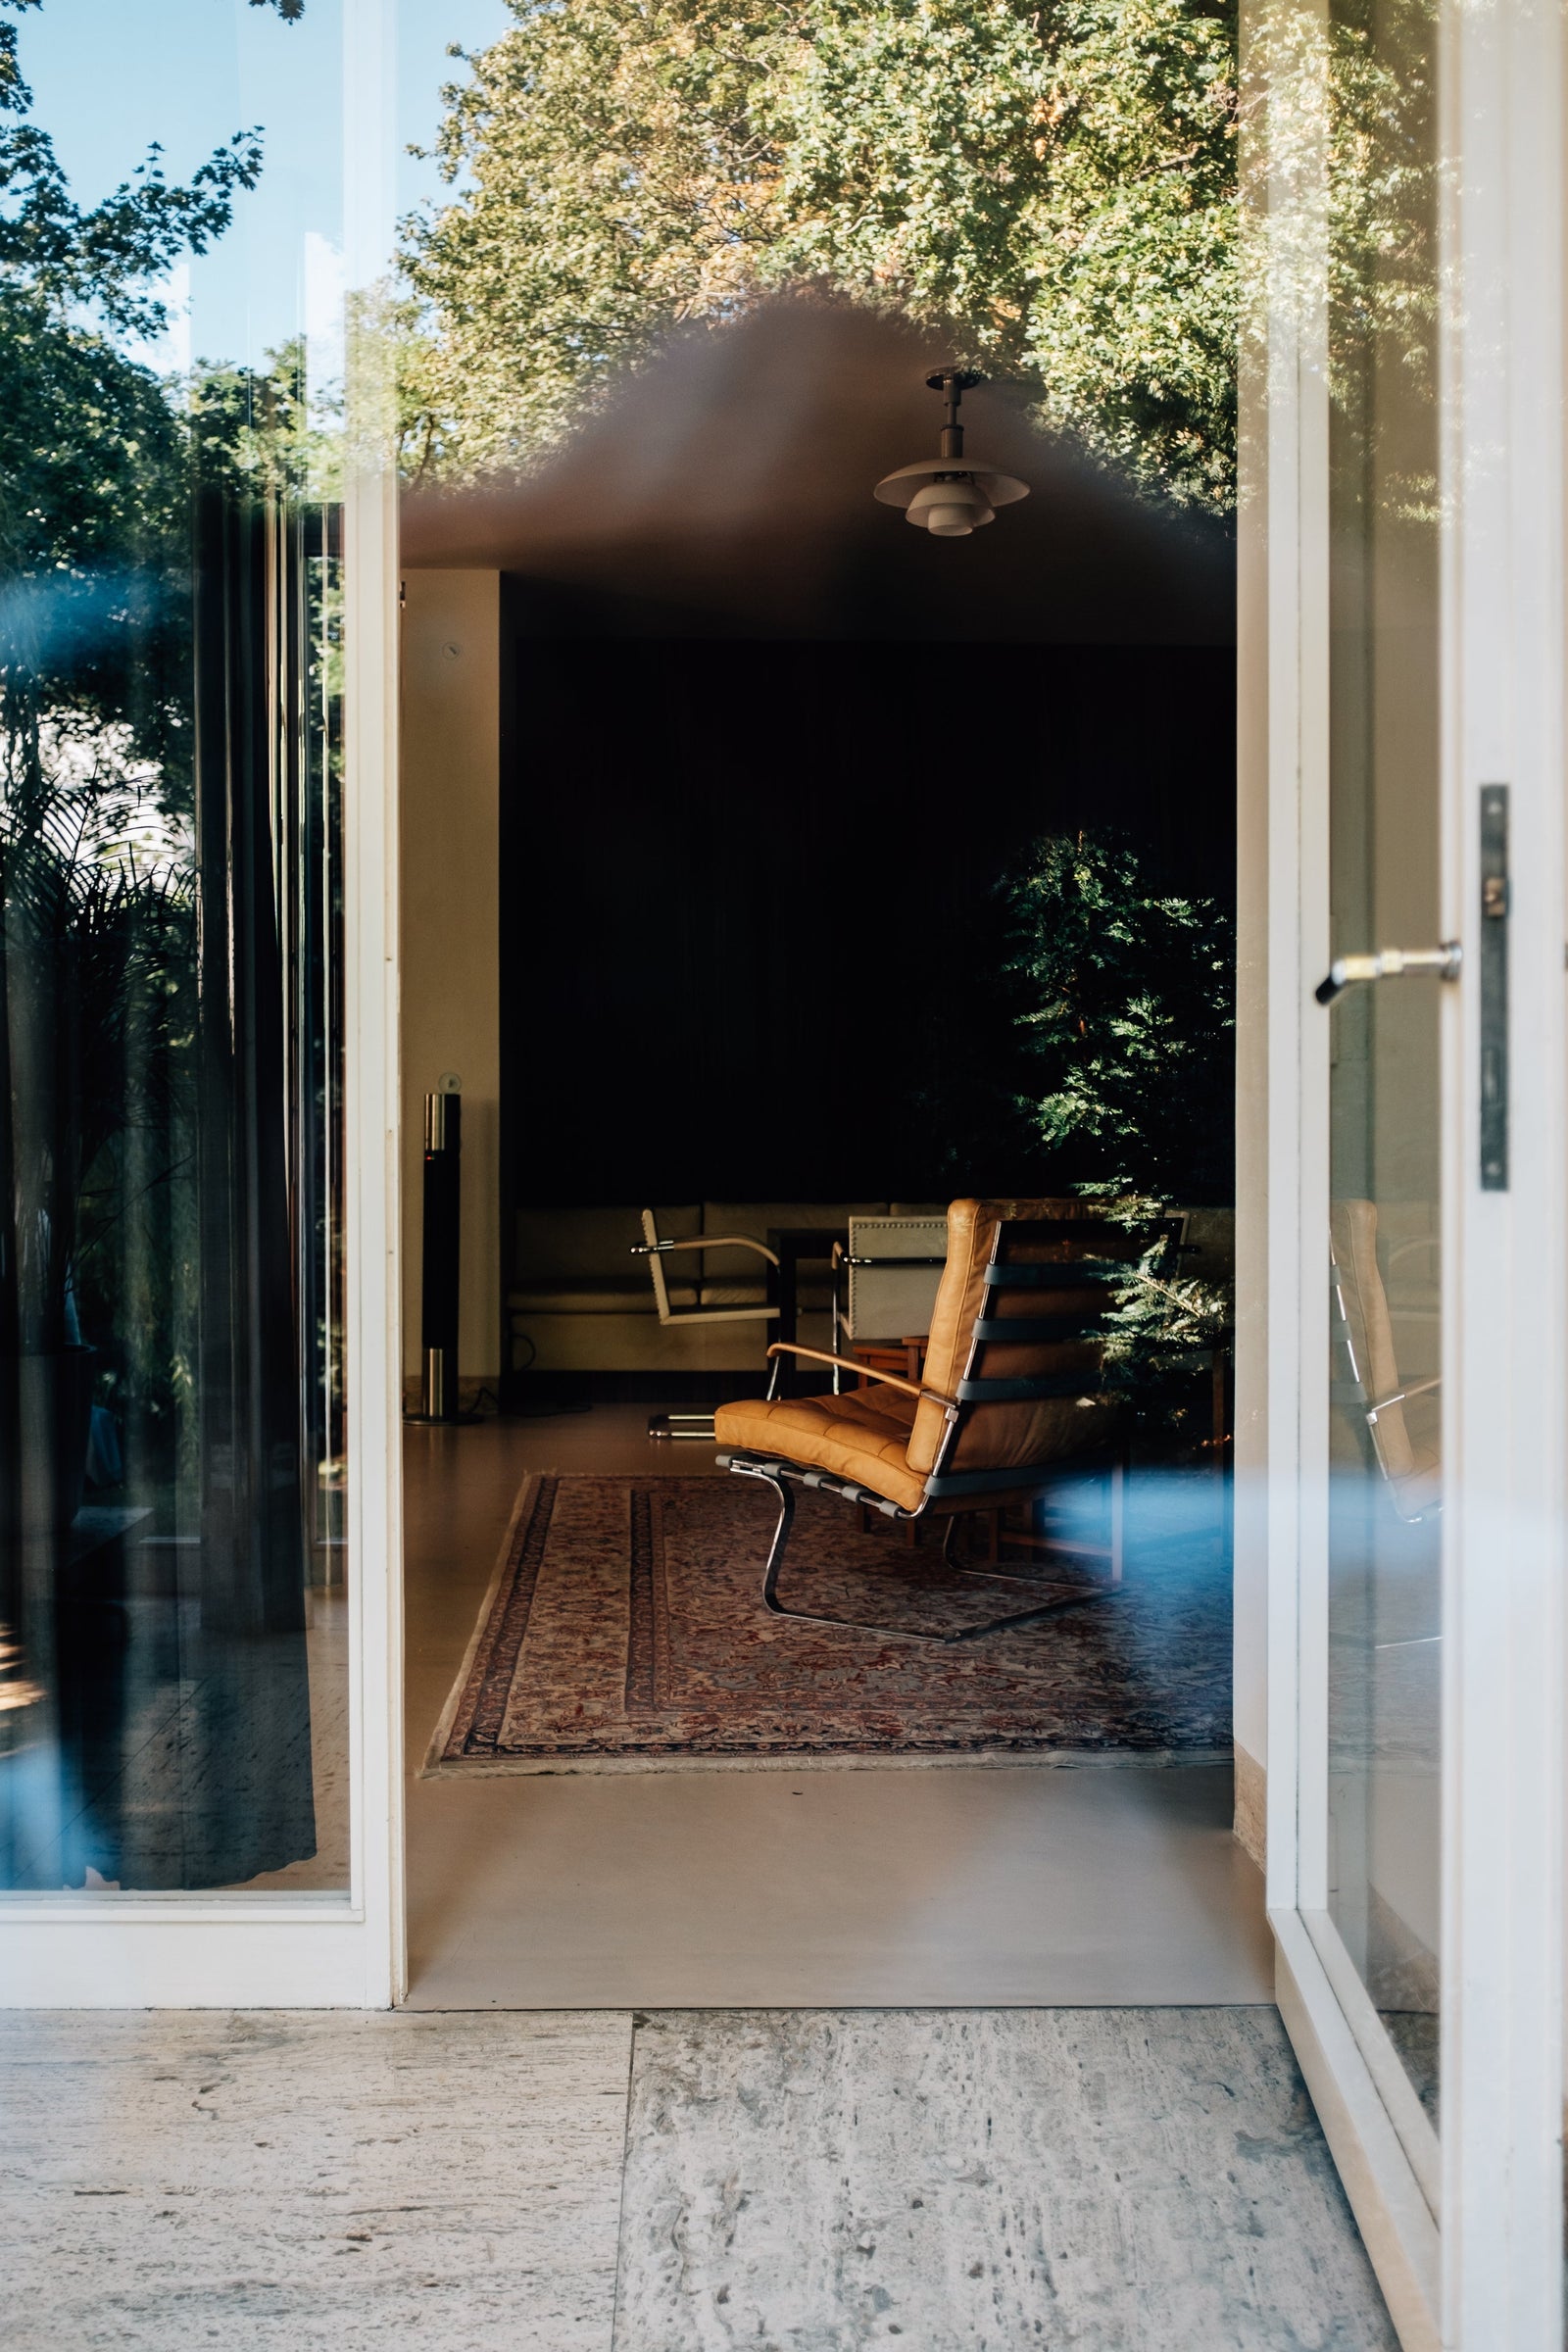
x=902, y=1632
x=698, y=1426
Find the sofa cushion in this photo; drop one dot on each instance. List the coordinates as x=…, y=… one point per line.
x=638, y=1343
x=811, y=1298
x=581, y=1243
x=595, y=1295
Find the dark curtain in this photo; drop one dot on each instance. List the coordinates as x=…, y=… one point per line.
x=154, y=1698
x=249, y=1807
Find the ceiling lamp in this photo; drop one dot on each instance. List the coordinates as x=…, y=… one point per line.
x=950, y=496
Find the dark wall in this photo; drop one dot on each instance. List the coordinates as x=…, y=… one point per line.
x=748, y=926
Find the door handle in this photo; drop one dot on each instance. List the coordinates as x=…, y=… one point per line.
x=1389, y=963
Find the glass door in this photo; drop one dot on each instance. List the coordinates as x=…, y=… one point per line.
x=1384, y=1607
x=195, y=637
x=1405, y=516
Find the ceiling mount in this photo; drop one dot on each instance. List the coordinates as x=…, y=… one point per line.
x=953, y=495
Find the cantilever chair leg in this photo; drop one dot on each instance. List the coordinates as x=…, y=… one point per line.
x=902, y=1632
x=699, y=1425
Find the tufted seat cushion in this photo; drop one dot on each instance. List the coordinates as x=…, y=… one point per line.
x=890, y=1442
x=864, y=1436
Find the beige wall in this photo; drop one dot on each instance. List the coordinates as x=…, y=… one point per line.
x=450, y=928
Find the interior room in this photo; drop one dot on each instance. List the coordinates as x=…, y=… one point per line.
x=727, y=803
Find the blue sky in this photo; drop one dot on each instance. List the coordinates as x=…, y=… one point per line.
x=110, y=75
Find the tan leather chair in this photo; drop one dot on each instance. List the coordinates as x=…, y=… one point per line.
x=1412, y=1471
x=1011, y=1393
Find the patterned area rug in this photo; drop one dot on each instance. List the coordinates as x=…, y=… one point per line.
x=624, y=1627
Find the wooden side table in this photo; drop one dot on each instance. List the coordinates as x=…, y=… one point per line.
x=905, y=1356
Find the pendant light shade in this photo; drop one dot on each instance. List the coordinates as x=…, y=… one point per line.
x=950, y=495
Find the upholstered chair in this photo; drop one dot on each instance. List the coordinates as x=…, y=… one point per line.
x=1011, y=1393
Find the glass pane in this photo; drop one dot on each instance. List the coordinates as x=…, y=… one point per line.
x=1385, y=1623
x=172, y=1635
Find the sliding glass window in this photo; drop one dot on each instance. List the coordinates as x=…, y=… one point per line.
x=172, y=1631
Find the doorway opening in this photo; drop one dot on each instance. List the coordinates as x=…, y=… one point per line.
x=780, y=811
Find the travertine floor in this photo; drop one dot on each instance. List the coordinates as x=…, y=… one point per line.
x=177, y=2179
x=1109, y=2180
x=1112, y=2180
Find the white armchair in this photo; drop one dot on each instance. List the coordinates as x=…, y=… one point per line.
x=695, y=1425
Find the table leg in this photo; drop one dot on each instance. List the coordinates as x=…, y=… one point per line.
x=789, y=1268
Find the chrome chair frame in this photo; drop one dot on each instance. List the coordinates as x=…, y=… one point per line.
x=695, y=1427
x=1355, y=1393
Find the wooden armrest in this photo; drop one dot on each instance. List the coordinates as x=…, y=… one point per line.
x=893, y=1380
x=707, y=1241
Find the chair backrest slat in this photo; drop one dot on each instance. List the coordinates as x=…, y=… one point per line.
x=1069, y=1276
x=1027, y=1385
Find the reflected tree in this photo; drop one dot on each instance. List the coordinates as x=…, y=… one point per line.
x=1055, y=186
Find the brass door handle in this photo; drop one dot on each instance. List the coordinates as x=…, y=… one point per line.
x=1389, y=963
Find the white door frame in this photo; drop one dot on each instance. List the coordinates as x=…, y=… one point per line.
x=1466, y=2239
x=316, y=1950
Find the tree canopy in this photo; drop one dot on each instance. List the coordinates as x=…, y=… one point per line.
x=1053, y=186
x=100, y=461
x=1124, y=995
x=92, y=453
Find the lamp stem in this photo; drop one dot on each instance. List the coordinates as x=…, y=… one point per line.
x=951, y=429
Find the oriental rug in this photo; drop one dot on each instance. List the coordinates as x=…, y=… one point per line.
x=624, y=1629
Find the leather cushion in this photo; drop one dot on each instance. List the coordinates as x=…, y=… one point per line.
x=864, y=1436
x=1001, y=1436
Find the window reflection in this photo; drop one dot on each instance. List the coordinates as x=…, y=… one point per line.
x=1385, y=1620
x=170, y=1355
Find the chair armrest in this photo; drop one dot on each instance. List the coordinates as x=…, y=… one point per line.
x=847, y=1363
x=1417, y=1387
x=707, y=1241
x=735, y=1240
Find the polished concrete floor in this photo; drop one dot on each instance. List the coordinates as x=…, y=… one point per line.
x=1021, y=1883
x=1109, y=2179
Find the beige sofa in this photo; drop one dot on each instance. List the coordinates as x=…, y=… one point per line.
x=580, y=1301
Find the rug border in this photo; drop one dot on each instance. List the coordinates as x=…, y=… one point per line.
x=438, y=1767
x=946, y=1760
x=431, y=1769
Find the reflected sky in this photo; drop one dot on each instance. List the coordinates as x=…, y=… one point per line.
x=190, y=74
